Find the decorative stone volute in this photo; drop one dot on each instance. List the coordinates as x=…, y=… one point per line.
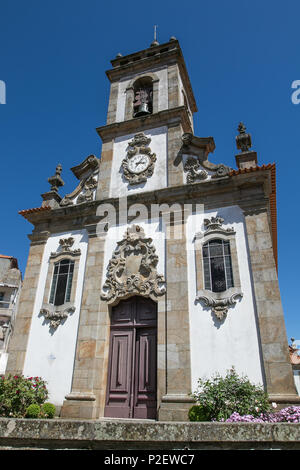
x=65, y=245
x=132, y=268
x=56, y=314
x=87, y=172
x=219, y=307
x=215, y=224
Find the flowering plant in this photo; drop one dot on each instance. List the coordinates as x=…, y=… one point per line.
x=291, y=414
x=18, y=392
x=217, y=399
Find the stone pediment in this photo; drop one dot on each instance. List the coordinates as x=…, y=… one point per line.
x=87, y=172
x=132, y=268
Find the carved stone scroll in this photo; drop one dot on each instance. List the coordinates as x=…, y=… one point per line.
x=214, y=224
x=65, y=245
x=132, y=268
x=194, y=171
x=220, y=306
x=56, y=315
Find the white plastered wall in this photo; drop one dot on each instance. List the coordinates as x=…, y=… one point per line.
x=217, y=346
x=51, y=356
x=296, y=374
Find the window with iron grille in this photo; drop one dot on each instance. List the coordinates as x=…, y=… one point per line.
x=217, y=265
x=62, y=282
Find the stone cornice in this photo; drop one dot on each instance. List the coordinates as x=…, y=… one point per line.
x=163, y=54
x=168, y=117
x=242, y=190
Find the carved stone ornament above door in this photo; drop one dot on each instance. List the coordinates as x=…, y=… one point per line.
x=138, y=165
x=132, y=268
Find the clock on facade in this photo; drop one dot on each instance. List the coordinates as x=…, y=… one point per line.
x=138, y=165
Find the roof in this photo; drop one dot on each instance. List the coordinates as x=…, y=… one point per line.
x=26, y=212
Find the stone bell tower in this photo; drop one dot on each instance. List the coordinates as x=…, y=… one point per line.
x=150, y=93
x=159, y=268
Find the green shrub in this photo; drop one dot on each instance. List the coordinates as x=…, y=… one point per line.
x=17, y=393
x=196, y=413
x=48, y=410
x=219, y=397
x=33, y=411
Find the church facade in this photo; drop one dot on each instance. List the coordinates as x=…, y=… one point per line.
x=159, y=268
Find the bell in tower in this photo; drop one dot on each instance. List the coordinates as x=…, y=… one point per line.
x=143, y=97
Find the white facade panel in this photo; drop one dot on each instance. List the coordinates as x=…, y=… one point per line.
x=216, y=345
x=50, y=354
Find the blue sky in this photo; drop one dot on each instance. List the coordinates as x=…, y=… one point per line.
x=242, y=57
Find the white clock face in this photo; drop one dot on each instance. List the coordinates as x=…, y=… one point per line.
x=138, y=163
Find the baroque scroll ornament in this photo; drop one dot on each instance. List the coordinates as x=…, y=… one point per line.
x=194, y=171
x=132, y=268
x=55, y=315
x=220, y=306
x=138, y=165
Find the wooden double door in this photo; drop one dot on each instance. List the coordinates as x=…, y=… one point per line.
x=132, y=366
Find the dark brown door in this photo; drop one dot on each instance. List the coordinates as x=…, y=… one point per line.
x=131, y=390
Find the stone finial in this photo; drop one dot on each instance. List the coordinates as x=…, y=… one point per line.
x=243, y=140
x=52, y=198
x=246, y=158
x=56, y=181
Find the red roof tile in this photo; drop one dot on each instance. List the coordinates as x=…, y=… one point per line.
x=33, y=210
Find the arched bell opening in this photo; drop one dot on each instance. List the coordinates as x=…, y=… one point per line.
x=143, y=97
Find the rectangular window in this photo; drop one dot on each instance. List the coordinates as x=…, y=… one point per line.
x=217, y=265
x=62, y=282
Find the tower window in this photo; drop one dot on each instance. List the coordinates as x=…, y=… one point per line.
x=217, y=265
x=143, y=97
x=62, y=282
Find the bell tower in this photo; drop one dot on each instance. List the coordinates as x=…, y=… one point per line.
x=151, y=105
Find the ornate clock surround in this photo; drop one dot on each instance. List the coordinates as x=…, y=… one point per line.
x=138, y=165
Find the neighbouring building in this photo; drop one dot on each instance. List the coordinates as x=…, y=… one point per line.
x=295, y=361
x=10, y=287
x=160, y=267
